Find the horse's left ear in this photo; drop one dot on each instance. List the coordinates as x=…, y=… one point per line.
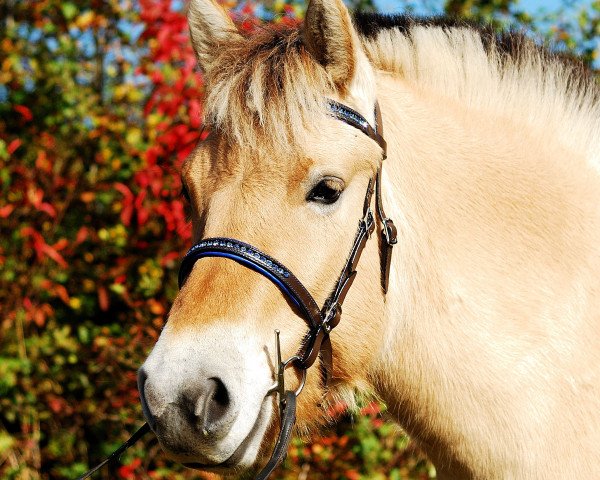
x=329, y=36
x=210, y=28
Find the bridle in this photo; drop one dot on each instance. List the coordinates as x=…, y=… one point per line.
x=320, y=320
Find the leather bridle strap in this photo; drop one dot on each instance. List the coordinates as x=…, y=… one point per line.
x=356, y=120
x=113, y=457
x=288, y=419
x=251, y=257
x=388, y=231
x=389, y=235
x=317, y=340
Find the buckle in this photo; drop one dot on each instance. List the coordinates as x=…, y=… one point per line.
x=279, y=386
x=334, y=310
x=369, y=221
x=389, y=231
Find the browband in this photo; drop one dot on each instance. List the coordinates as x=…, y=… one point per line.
x=355, y=119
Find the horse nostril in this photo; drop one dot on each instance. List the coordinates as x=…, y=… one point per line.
x=215, y=405
x=220, y=396
x=211, y=406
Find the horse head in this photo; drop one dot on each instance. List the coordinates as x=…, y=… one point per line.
x=280, y=173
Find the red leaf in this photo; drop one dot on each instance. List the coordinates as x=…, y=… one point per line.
x=25, y=112
x=27, y=303
x=61, y=244
x=157, y=76
x=352, y=474
x=39, y=317
x=128, y=200
x=6, y=210
x=47, y=208
x=128, y=471
x=12, y=146
x=56, y=404
x=126, y=214
x=54, y=255
x=103, y=300
x=42, y=162
x=61, y=292
x=82, y=235
x=168, y=258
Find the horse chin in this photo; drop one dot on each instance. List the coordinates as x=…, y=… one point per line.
x=247, y=457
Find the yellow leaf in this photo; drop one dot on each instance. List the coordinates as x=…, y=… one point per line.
x=134, y=136
x=84, y=20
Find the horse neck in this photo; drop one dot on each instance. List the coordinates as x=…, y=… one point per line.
x=480, y=257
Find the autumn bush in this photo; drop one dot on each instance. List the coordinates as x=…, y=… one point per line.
x=100, y=102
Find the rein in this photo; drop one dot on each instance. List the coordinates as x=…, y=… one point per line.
x=320, y=320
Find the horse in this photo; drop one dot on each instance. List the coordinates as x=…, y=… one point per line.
x=486, y=345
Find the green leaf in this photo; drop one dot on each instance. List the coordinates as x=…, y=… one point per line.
x=69, y=10
x=6, y=442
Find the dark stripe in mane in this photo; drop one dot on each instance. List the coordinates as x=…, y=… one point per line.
x=370, y=24
x=511, y=44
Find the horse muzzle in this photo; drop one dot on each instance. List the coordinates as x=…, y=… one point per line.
x=208, y=412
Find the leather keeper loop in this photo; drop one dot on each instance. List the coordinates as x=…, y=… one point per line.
x=311, y=347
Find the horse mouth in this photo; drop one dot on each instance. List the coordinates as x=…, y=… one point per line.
x=237, y=460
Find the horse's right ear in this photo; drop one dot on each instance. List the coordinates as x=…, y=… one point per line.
x=210, y=27
x=329, y=36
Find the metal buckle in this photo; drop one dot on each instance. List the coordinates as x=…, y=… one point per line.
x=279, y=386
x=389, y=231
x=369, y=221
x=332, y=311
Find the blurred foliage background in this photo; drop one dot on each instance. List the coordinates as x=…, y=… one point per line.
x=100, y=103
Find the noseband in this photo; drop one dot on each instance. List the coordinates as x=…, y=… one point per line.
x=320, y=320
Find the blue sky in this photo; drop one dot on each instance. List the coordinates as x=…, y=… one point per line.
x=427, y=6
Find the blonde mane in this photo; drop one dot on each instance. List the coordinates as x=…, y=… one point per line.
x=268, y=84
x=509, y=76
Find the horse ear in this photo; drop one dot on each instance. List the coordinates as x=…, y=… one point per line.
x=329, y=36
x=210, y=27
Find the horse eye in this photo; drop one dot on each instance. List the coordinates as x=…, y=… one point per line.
x=327, y=191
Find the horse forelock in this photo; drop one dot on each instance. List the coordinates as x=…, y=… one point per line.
x=265, y=87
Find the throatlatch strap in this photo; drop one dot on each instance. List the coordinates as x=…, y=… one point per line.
x=113, y=457
x=283, y=439
x=388, y=231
